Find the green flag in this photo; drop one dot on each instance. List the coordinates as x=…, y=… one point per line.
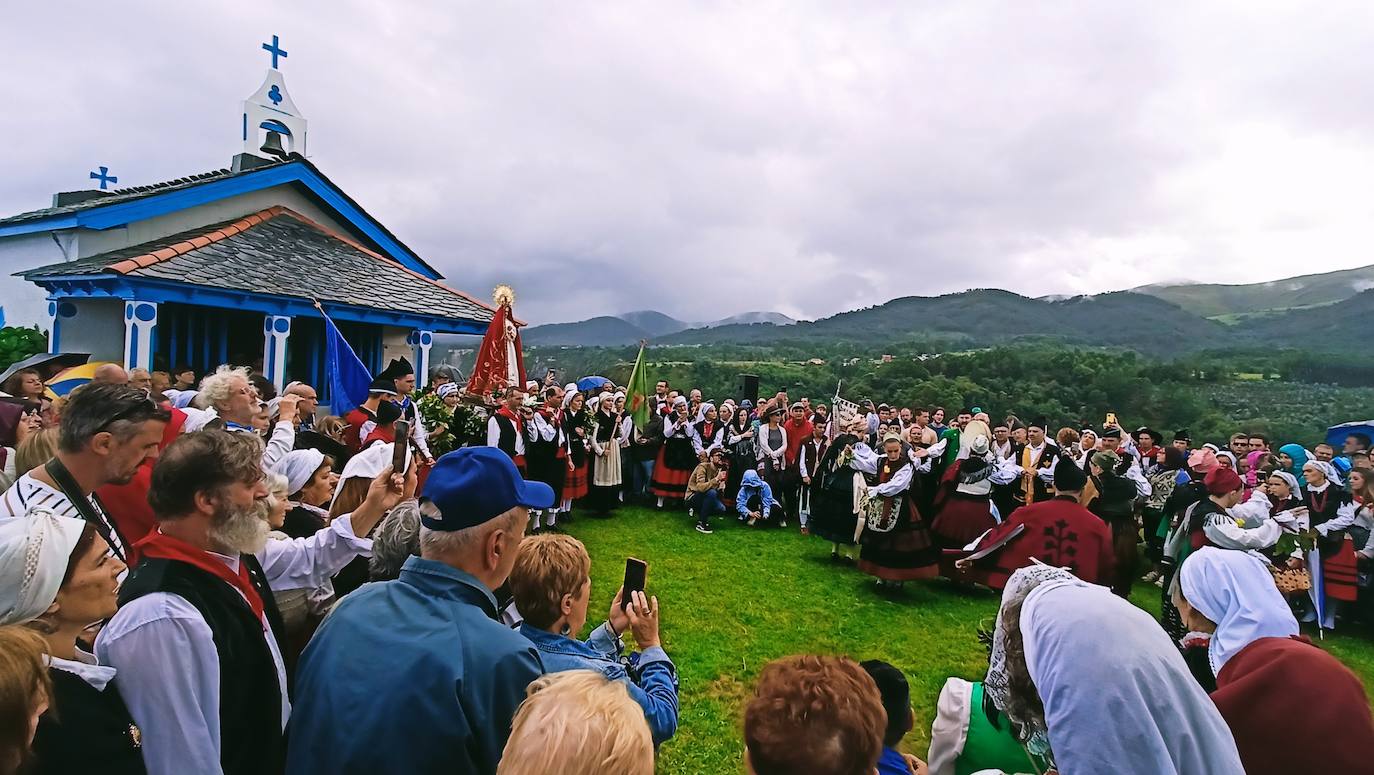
x=639, y=390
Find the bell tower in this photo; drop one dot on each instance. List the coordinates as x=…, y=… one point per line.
x=272, y=125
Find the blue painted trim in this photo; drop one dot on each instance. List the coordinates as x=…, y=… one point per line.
x=55, y=337
x=273, y=125
x=117, y=214
x=245, y=139
x=132, y=333
x=161, y=291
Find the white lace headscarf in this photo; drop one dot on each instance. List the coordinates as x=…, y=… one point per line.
x=34, y=552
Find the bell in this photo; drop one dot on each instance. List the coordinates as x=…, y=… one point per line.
x=272, y=145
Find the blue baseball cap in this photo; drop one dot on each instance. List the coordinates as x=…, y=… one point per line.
x=472, y=485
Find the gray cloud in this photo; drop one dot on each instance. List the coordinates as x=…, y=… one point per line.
x=709, y=158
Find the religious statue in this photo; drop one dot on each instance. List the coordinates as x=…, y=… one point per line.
x=500, y=363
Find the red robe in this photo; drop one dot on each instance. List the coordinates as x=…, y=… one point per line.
x=1057, y=532
x=1293, y=708
x=489, y=372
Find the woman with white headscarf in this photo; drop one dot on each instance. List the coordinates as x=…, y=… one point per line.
x=58, y=576
x=1268, y=677
x=1092, y=684
x=676, y=458
x=963, y=506
x=310, y=482
x=607, y=474
x=1330, y=510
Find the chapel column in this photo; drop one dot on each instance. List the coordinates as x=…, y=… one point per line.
x=275, y=331
x=140, y=318
x=421, y=341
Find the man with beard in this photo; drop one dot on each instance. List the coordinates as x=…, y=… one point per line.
x=107, y=431
x=197, y=639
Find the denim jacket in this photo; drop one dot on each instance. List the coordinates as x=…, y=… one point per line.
x=656, y=690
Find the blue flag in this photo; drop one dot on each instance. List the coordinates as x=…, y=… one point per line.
x=348, y=377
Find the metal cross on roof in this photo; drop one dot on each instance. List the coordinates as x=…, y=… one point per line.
x=104, y=177
x=275, y=50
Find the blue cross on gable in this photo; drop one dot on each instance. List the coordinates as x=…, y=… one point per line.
x=275, y=50
x=104, y=177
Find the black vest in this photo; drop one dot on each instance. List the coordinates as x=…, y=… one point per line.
x=87, y=730
x=250, y=700
x=506, y=440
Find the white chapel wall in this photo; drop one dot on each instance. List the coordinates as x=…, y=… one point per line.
x=25, y=303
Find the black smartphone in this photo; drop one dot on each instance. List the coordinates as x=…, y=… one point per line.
x=635, y=572
x=398, y=450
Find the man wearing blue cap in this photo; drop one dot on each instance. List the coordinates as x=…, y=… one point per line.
x=417, y=675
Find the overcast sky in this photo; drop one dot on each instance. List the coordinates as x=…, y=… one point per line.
x=705, y=159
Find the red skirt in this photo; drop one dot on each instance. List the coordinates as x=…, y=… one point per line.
x=575, y=483
x=670, y=483
x=963, y=518
x=1338, y=573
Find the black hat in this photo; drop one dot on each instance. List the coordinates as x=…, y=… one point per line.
x=1111, y=432
x=1041, y=422
x=387, y=412
x=398, y=368
x=1068, y=477
x=1155, y=436
x=1182, y=435
x=382, y=385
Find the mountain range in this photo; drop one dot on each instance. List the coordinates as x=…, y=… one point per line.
x=1320, y=309
x=629, y=328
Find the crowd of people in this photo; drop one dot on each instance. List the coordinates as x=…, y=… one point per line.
x=211, y=576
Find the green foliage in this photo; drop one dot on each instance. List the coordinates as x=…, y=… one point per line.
x=462, y=423
x=735, y=600
x=17, y=343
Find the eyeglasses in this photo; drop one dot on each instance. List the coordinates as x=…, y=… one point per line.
x=147, y=405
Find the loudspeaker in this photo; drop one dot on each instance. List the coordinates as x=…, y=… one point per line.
x=748, y=388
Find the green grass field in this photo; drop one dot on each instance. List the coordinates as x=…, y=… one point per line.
x=733, y=601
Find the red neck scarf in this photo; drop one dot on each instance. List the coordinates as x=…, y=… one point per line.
x=509, y=415
x=157, y=544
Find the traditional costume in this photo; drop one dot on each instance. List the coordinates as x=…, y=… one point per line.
x=605, y=463
x=577, y=426
x=905, y=549
x=399, y=369
x=546, y=457
x=808, y=462
x=509, y=432
x=834, y=498
x=1116, y=695
x=676, y=458
x=963, y=508
x=1269, y=678
x=1330, y=511
x=1036, y=463
x=740, y=436
x=1057, y=532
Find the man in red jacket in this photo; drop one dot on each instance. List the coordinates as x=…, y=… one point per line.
x=1056, y=532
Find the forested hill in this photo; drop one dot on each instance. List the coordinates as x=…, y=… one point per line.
x=986, y=317
x=1309, y=290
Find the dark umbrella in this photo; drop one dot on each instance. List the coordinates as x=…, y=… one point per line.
x=47, y=364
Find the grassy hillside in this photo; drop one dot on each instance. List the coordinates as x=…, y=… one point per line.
x=1210, y=300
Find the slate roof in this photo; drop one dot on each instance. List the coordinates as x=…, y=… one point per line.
x=126, y=194
x=278, y=251
x=134, y=193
